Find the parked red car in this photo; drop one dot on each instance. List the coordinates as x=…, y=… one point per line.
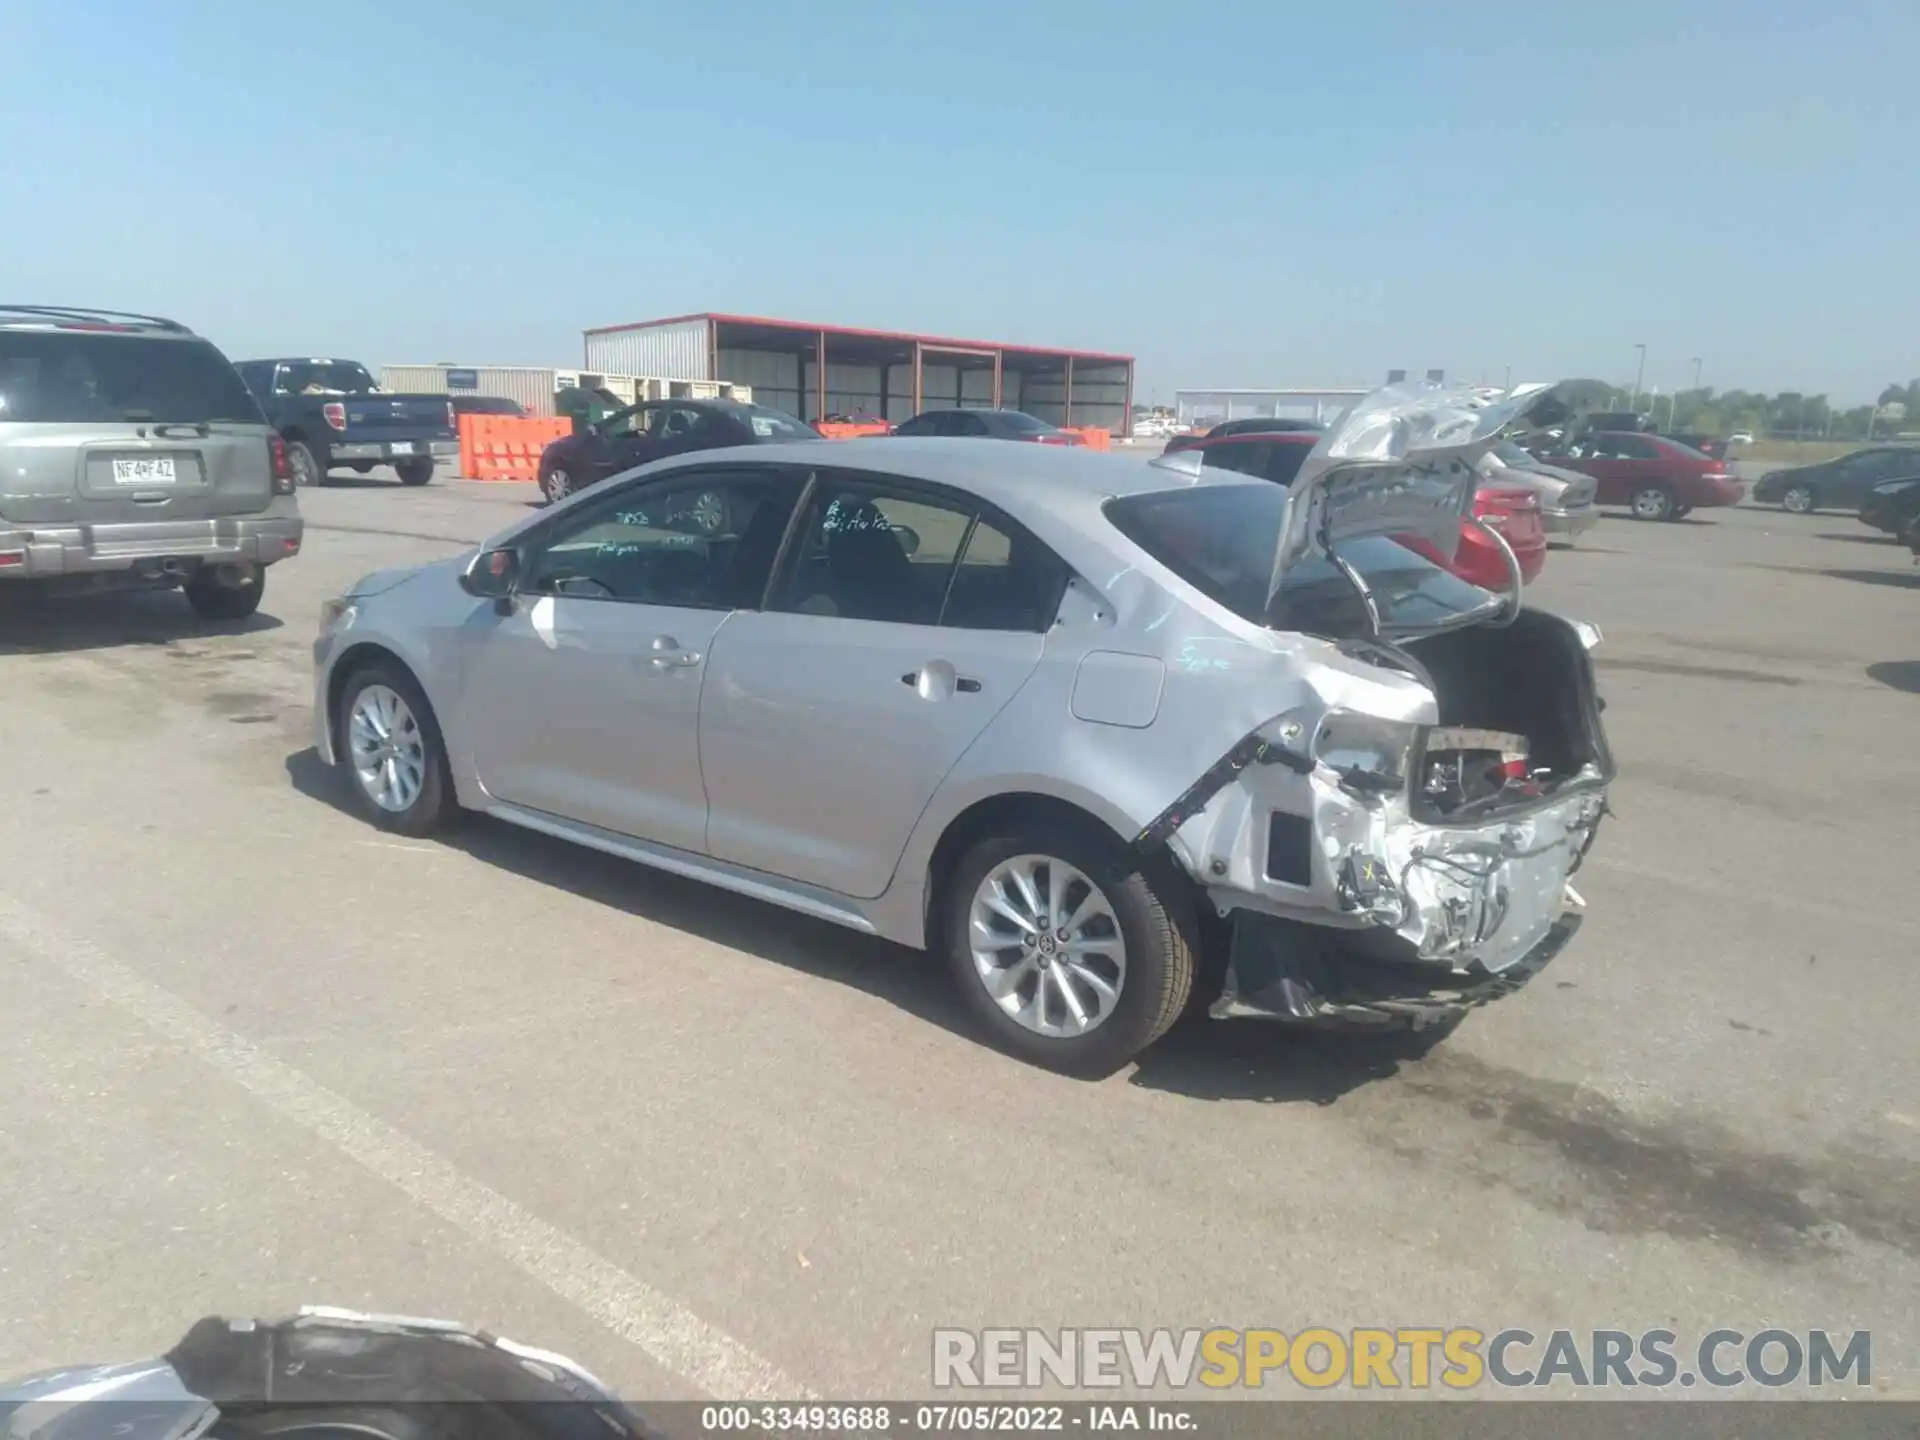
x=1656, y=478
x=1515, y=514
x=1277, y=455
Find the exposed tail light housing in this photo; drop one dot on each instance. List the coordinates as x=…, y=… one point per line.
x=335, y=414
x=281, y=467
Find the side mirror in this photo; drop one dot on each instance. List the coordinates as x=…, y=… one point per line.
x=492, y=575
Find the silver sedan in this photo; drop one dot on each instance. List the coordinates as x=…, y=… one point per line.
x=1088, y=729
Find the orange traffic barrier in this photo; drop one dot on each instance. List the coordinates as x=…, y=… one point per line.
x=1092, y=437
x=506, y=447
x=838, y=431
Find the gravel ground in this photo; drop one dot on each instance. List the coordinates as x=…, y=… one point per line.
x=261, y=1055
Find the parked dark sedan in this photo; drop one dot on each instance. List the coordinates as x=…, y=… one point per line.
x=987, y=424
x=655, y=429
x=1840, y=484
x=1893, y=506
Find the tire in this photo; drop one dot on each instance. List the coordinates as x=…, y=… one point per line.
x=422, y=806
x=306, y=466
x=362, y=467
x=226, y=592
x=1682, y=511
x=1653, y=502
x=1145, y=911
x=414, y=472
x=1799, y=500
x=557, y=484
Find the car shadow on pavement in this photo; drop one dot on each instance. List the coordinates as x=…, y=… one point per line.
x=1268, y=1063
x=1200, y=1058
x=1857, y=539
x=902, y=977
x=37, y=624
x=1897, y=579
x=1897, y=675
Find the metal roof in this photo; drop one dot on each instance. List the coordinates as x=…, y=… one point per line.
x=904, y=337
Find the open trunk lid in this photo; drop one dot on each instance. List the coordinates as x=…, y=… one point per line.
x=1403, y=461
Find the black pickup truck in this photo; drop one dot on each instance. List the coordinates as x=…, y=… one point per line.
x=330, y=413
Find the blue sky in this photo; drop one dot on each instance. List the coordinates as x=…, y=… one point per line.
x=1239, y=194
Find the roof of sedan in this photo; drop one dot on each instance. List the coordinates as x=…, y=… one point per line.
x=1007, y=473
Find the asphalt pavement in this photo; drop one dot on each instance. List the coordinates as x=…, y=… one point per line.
x=258, y=1054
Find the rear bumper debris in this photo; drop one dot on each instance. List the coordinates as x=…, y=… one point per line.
x=44, y=552
x=1305, y=976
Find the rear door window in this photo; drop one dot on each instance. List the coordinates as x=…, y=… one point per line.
x=866, y=551
x=78, y=378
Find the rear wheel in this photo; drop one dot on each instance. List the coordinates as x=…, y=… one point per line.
x=1653, y=502
x=414, y=472
x=307, y=469
x=1067, y=956
x=1798, y=499
x=391, y=752
x=226, y=592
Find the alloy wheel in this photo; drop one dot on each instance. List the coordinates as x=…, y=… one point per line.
x=1047, y=946
x=1798, y=500
x=387, y=748
x=1652, y=503
x=559, y=485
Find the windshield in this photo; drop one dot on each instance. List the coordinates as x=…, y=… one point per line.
x=324, y=377
x=1221, y=540
x=58, y=377
x=776, y=424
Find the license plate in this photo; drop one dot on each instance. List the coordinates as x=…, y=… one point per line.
x=405, y=447
x=149, y=470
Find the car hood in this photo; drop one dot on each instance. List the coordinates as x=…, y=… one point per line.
x=1405, y=460
x=381, y=581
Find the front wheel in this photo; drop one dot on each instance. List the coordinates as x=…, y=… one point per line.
x=1066, y=955
x=226, y=592
x=1798, y=500
x=1653, y=502
x=556, y=484
x=414, y=472
x=390, y=748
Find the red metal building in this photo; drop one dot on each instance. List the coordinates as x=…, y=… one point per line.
x=813, y=370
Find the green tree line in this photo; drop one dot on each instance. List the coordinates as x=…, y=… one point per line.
x=1788, y=414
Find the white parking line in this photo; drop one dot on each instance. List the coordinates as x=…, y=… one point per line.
x=666, y=1331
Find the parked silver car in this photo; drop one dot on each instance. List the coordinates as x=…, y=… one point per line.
x=1567, y=505
x=132, y=456
x=1077, y=723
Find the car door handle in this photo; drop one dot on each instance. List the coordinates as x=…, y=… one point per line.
x=965, y=684
x=667, y=655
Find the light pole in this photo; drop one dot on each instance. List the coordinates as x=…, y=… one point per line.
x=1638, y=375
x=1507, y=384
x=1670, y=400
x=1696, y=373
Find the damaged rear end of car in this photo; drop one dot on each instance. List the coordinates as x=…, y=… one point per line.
x=1396, y=844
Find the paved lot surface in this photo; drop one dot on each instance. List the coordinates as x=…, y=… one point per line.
x=259, y=1055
